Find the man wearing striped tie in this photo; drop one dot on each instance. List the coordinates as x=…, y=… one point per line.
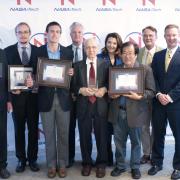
x=24, y=103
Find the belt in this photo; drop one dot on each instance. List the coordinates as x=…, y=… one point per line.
x=122, y=108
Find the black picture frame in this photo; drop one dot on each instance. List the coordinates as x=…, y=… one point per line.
x=123, y=80
x=17, y=75
x=53, y=73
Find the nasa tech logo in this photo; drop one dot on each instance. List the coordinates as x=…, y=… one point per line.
x=108, y=6
x=24, y=5
x=38, y=39
x=135, y=37
x=67, y=6
x=148, y=6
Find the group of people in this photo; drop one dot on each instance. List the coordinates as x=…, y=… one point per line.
x=88, y=101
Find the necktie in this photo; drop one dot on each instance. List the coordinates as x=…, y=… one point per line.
x=76, y=55
x=25, y=59
x=92, y=81
x=168, y=58
x=148, y=58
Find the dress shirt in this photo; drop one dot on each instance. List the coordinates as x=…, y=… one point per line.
x=53, y=55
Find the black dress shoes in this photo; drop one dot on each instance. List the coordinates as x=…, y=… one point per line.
x=154, y=169
x=135, y=173
x=21, y=167
x=117, y=172
x=145, y=159
x=175, y=174
x=71, y=162
x=34, y=166
x=4, y=173
x=86, y=170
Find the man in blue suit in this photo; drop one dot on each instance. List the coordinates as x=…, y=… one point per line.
x=166, y=105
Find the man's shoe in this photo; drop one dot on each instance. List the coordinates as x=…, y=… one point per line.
x=175, y=174
x=135, y=173
x=20, y=167
x=86, y=170
x=100, y=172
x=4, y=173
x=62, y=172
x=34, y=166
x=117, y=172
x=51, y=173
x=145, y=159
x=154, y=169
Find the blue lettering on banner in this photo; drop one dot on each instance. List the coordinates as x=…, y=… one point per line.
x=24, y=9
x=68, y=9
x=148, y=9
x=109, y=9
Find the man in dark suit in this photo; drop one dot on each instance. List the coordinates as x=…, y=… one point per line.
x=4, y=173
x=76, y=33
x=24, y=103
x=166, y=105
x=55, y=105
x=128, y=114
x=90, y=86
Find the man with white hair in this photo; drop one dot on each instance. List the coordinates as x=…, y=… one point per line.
x=90, y=87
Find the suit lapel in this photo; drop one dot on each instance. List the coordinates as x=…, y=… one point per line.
x=83, y=72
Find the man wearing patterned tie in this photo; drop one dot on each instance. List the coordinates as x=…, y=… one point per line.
x=90, y=87
x=166, y=105
x=76, y=33
x=145, y=56
x=24, y=103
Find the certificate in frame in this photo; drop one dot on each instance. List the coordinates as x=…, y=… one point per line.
x=53, y=73
x=124, y=80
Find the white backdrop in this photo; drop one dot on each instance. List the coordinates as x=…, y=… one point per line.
x=99, y=17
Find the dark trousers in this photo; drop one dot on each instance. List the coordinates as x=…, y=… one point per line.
x=3, y=138
x=25, y=110
x=93, y=121
x=72, y=136
x=109, y=142
x=162, y=115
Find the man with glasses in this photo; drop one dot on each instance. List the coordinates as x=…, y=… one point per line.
x=24, y=103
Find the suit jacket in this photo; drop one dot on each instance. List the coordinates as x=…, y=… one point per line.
x=83, y=53
x=137, y=110
x=168, y=82
x=142, y=53
x=3, y=80
x=46, y=94
x=80, y=80
x=13, y=58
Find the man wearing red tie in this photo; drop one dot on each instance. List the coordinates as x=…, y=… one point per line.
x=90, y=86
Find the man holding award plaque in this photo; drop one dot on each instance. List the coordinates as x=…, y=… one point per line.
x=129, y=111
x=90, y=87
x=55, y=103
x=4, y=173
x=22, y=100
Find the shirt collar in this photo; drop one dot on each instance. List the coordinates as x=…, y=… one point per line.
x=74, y=47
x=88, y=61
x=22, y=45
x=48, y=49
x=151, y=51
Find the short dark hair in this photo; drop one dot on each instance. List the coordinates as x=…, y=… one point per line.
x=53, y=23
x=151, y=28
x=21, y=24
x=129, y=43
x=169, y=26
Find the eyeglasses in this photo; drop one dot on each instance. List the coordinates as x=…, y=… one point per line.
x=128, y=53
x=22, y=32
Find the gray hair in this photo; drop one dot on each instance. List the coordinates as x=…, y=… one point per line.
x=74, y=24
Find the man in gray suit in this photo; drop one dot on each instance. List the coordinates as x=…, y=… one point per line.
x=145, y=56
x=128, y=113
